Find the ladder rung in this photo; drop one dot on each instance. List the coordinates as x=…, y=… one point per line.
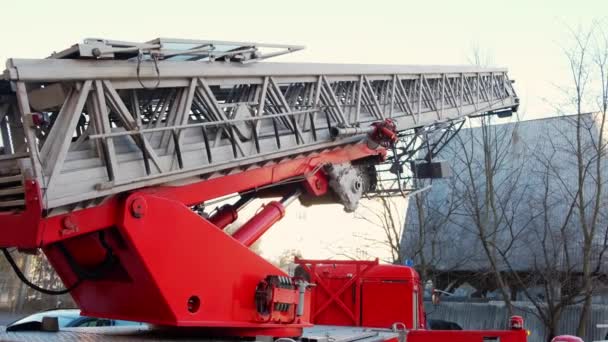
x=14, y=203
x=10, y=179
x=11, y=191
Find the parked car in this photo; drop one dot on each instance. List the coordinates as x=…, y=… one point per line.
x=567, y=338
x=437, y=324
x=66, y=318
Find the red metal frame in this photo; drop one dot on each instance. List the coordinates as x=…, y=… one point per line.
x=167, y=255
x=253, y=229
x=36, y=231
x=366, y=293
x=324, y=295
x=467, y=335
x=21, y=229
x=147, y=256
x=363, y=293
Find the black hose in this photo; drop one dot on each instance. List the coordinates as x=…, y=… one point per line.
x=22, y=277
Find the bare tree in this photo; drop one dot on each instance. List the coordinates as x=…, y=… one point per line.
x=385, y=214
x=588, y=63
x=491, y=189
x=426, y=238
x=550, y=280
x=491, y=201
x=287, y=258
x=570, y=236
x=539, y=213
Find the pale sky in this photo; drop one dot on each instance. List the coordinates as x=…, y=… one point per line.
x=525, y=36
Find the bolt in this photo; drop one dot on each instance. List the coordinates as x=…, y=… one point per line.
x=70, y=225
x=138, y=207
x=357, y=186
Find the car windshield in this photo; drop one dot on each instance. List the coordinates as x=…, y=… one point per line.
x=64, y=317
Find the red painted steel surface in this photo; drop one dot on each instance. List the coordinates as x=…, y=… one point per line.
x=224, y=216
x=29, y=230
x=266, y=175
x=23, y=229
x=168, y=265
x=467, y=336
x=387, y=302
x=253, y=229
x=166, y=257
x=385, y=294
x=363, y=293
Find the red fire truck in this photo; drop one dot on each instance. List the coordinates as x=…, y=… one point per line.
x=113, y=153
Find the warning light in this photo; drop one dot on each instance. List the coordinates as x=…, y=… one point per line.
x=516, y=323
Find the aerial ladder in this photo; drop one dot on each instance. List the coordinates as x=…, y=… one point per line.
x=112, y=150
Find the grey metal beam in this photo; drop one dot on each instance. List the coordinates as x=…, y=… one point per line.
x=64, y=69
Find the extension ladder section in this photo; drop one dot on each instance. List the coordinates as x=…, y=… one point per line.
x=104, y=117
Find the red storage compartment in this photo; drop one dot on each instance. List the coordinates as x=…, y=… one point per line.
x=363, y=293
x=387, y=302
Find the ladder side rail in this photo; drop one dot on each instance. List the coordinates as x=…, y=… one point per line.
x=270, y=126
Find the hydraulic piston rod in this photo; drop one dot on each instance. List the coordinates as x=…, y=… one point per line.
x=228, y=213
x=272, y=212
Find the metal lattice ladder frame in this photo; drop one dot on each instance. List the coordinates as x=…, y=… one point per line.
x=420, y=144
x=106, y=131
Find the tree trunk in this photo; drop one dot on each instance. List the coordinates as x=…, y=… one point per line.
x=552, y=324
x=585, y=315
x=587, y=291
